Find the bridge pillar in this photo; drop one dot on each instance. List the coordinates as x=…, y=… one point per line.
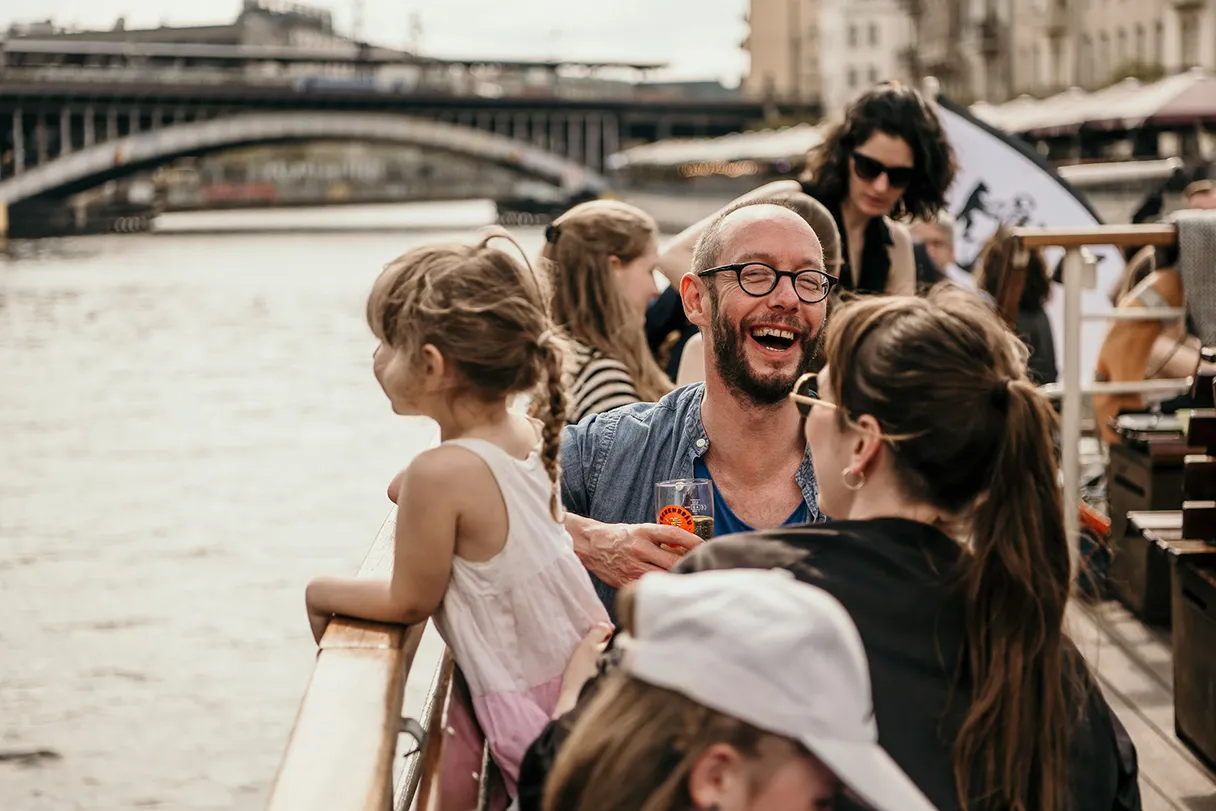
x=89, y=134
x=540, y=130
x=520, y=130
x=556, y=142
x=111, y=123
x=574, y=137
x=594, y=158
x=612, y=136
x=18, y=143
x=65, y=131
x=41, y=141
x=132, y=121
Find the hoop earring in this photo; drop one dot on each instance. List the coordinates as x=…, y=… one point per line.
x=861, y=479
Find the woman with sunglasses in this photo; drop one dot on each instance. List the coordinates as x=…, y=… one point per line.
x=888, y=160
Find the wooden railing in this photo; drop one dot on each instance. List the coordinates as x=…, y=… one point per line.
x=343, y=746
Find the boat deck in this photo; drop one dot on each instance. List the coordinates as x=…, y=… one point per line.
x=1134, y=664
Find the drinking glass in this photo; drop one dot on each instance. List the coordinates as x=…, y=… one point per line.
x=687, y=504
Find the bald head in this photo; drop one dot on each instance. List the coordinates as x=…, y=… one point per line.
x=769, y=226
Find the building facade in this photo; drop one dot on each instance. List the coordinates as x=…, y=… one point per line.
x=863, y=42
x=784, y=44
x=977, y=49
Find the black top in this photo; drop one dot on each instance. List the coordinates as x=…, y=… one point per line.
x=893, y=576
x=1034, y=328
x=875, y=258
x=664, y=316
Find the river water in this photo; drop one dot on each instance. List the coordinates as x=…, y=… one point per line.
x=189, y=430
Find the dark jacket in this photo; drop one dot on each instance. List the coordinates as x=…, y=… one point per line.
x=894, y=577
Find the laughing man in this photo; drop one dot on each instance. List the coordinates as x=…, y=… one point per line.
x=757, y=291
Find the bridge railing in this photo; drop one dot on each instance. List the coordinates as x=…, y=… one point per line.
x=342, y=751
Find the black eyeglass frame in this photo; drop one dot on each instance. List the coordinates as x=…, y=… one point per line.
x=793, y=275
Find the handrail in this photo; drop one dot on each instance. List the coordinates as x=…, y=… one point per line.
x=342, y=746
x=1121, y=236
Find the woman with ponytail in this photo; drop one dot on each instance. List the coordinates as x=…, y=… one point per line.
x=934, y=455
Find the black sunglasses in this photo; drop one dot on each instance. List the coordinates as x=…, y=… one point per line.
x=869, y=169
x=758, y=279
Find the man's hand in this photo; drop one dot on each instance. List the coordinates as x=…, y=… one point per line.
x=621, y=553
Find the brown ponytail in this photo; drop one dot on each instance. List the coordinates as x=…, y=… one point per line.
x=553, y=418
x=947, y=382
x=1016, y=584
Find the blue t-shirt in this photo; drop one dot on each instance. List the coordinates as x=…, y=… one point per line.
x=725, y=521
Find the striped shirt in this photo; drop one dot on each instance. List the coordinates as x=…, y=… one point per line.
x=595, y=383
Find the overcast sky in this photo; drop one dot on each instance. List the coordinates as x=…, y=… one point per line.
x=698, y=38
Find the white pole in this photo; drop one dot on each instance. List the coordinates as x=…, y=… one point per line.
x=1070, y=434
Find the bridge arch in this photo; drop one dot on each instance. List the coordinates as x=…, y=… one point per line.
x=119, y=157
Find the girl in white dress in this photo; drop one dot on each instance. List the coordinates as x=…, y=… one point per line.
x=480, y=545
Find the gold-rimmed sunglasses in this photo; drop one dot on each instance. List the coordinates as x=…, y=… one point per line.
x=806, y=393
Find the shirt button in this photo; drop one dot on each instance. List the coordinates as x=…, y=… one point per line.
x=701, y=443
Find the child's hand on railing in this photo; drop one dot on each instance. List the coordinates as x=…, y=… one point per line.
x=581, y=666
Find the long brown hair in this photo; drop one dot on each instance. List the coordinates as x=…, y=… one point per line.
x=487, y=315
x=1016, y=277
x=587, y=303
x=947, y=383
x=635, y=745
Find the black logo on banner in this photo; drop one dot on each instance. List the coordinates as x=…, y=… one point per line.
x=981, y=215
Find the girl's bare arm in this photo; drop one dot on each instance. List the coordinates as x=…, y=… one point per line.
x=427, y=514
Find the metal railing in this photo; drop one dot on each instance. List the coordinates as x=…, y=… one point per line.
x=1079, y=274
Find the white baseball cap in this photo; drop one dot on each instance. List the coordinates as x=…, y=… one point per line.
x=782, y=655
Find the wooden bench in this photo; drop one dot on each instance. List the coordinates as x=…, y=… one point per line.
x=1193, y=593
x=1140, y=570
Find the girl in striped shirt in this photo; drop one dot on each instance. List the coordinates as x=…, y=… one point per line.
x=600, y=257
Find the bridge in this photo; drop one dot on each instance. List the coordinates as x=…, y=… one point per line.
x=70, y=120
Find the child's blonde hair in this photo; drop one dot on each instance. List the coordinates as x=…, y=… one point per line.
x=487, y=315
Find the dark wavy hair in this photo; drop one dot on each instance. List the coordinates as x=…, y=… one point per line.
x=899, y=111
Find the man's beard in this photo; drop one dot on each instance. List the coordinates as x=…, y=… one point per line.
x=739, y=376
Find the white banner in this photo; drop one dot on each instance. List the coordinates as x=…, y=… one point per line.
x=1001, y=180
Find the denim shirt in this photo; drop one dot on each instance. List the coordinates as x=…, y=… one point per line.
x=630, y=449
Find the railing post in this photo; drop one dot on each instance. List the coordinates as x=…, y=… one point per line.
x=1070, y=434
x=90, y=134
x=65, y=131
x=592, y=154
x=612, y=136
x=41, y=140
x=574, y=138
x=18, y=143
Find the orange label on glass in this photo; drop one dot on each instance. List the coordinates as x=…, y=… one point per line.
x=676, y=516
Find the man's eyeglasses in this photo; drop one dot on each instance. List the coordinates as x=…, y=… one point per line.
x=869, y=169
x=758, y=279
x=806, y=394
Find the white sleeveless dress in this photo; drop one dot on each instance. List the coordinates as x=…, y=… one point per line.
x=513, y=621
